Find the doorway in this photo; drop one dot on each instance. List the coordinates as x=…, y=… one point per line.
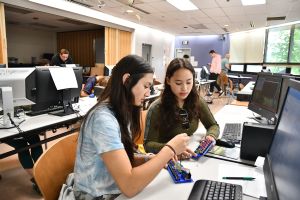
x=146, y=52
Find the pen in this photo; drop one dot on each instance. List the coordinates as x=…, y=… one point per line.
x=239, y=178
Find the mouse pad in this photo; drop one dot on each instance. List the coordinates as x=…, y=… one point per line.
x=233, y=153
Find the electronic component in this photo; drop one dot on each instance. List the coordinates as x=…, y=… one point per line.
x=203, y=148
x=178, y=173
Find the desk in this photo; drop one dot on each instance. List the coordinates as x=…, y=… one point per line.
x=41, y=123
x=162, y=187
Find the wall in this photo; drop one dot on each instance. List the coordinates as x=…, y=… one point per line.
x=24, y=43
x=201, y=45
x=162, y=50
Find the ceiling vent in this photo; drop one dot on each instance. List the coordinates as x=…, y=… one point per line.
x=198, y=26
x=17, y=10
x=275, y=18
x=43, y=25
x=79, y=2
x=71, y=21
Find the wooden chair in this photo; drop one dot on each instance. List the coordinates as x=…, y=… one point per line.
x=54, y=165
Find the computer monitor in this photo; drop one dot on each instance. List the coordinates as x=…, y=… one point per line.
x=16, y=89
x=2, y=65
x=281, y=167
x=47, y=96
x=265, y=96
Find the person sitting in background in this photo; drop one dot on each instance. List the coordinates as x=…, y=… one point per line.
x=60, y=58
x=90, y=84
x=106, y=164
x=178, y=110
x=43, y=62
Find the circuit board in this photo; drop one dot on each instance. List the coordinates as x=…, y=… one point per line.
x=178, y=173
x=203, y=148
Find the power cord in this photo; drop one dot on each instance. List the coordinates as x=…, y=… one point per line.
x=13, y=123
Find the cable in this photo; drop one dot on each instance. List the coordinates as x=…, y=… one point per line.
x=13, y=123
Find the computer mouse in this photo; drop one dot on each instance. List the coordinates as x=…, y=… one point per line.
x=224, y=143
x=92, y=95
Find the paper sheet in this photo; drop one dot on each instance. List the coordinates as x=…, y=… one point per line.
x=255, y=188
x=63, y=77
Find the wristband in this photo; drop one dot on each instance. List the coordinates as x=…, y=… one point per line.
x=167, y=145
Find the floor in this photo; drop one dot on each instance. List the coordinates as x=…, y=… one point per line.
x=15, y=183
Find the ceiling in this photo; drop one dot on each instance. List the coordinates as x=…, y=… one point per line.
x=17, y=16
x=209, y=19
x=159, y=14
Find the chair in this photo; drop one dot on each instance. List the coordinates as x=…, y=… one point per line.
x=139, y=142
x=54, y=165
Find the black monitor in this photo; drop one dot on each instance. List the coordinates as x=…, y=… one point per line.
x=265, y=96
x=48, y=97
x=281, y=167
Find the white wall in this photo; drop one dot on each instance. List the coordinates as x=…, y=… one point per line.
x=24, y=43
x=162, y=50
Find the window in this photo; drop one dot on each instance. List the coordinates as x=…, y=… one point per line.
x=277, y=69
x=278, y=45
x=295, y=50
x=237, y=68
x=295, y=71
x=254, y=68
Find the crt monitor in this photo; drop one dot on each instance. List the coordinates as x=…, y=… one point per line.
x=281, y=168
x=265, y=95
x=47, y=96
x=16, y=89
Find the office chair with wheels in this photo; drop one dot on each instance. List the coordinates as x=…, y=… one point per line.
x=54, y=165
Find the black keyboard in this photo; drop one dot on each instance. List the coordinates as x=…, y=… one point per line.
x=40, y=112
x=215, y=190
x=232, y=132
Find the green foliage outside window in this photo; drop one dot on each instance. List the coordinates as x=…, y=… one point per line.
x=295, y=54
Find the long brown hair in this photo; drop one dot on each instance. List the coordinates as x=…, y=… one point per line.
x=168, y=107
x=121, y=100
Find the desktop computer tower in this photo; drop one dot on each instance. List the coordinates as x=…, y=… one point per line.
x=256, y=140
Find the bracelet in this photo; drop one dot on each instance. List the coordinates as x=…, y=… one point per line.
x=167, y=145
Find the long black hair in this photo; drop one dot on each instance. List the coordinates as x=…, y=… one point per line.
x=168, y=107
x=121, y=100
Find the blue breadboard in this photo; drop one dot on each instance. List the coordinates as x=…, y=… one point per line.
x=203, y=148
x=178, y=173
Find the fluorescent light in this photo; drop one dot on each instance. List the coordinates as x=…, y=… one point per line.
x=253, y=2
x=183, y=4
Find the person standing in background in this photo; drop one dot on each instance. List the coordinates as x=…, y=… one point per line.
x=215, y=70
x=223, y=80
x=60, y=58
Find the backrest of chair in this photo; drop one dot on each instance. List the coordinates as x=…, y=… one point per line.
x=54, y=165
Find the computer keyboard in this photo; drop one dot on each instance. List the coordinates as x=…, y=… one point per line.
x=45, y=111
x=232, y=132
x=215, y=190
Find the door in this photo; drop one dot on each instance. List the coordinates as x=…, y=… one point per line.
x=146, y=52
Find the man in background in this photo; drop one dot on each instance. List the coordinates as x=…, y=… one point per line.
x=60, y=58
x=215, y=70
x=223, y=80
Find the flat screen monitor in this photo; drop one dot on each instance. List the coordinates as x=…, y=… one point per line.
x=236, y=68
x=47, y=96
x=265, y=95
x=16, y=89
x=254, y=68
x=281, y=168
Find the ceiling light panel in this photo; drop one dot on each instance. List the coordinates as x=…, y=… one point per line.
x=183, y=5
x=253, y=2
